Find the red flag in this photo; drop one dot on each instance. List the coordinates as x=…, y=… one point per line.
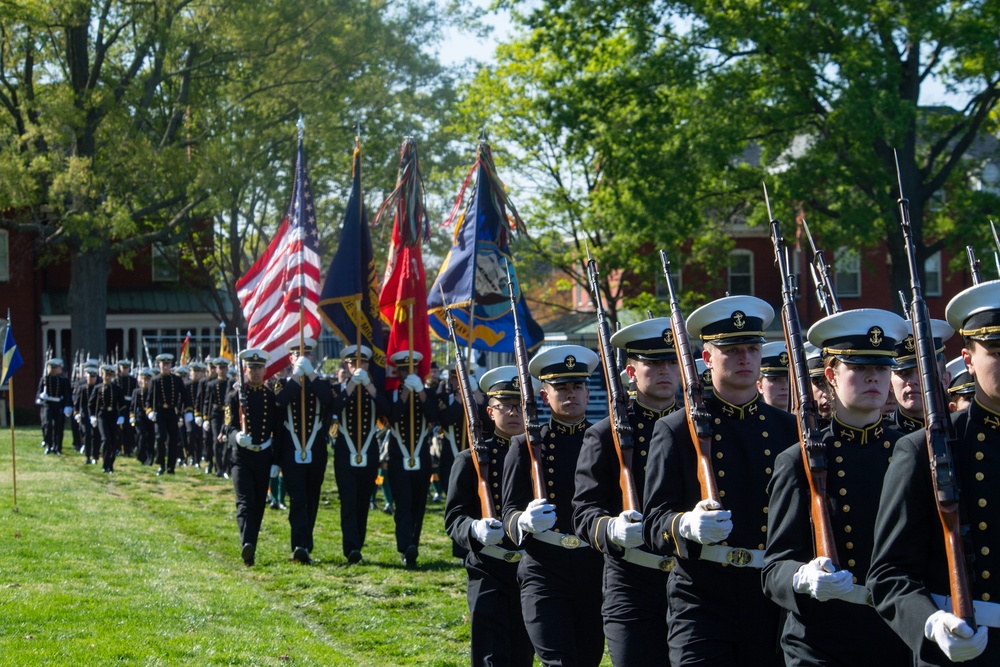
x=285, y=279
x=186, y=350
x=404, y=291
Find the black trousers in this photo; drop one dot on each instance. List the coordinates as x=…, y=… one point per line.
x=303, y=481
x=217, y=458
x=355, y=487
x=145, y=448
x=167, y=438
x=635, y=614
x=409, y=493
x=251, y=471
x=128, y=437
x=498, y=633
x=53, y=426
x=107, y=430
x=561, y=603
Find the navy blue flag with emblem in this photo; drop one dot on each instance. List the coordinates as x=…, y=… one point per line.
x=474, y=273
x=349, y=301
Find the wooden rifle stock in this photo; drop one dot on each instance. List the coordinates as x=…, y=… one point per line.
x=621, y=431
x=939, y=430
x=699, y=421
x=805, y=410
x=529, y=409
x=480, y=457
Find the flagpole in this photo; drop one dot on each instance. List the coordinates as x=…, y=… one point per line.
x=357, y=365
x=302, y=305
x=13, y=447
x=359, y=300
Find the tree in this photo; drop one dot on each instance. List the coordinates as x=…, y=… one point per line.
x=659, y=101
x=125, y=124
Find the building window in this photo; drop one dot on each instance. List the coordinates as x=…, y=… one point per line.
x=4, y=256
x=847, y=268
x=662, y=293
x=166, y=260
x=932, y=275
x=740, y=272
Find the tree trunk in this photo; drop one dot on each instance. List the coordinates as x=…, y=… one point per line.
x=88, y=300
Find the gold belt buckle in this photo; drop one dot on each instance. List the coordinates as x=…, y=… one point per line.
x=511, y=556
x=357, y=458
x=667, y=564
x=739, y=557
x=569, y=541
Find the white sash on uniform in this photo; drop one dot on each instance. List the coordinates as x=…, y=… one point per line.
x=303, y=454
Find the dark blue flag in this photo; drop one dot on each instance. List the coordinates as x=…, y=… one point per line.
x=11, y=355
x=349, y=301
x=474, y=273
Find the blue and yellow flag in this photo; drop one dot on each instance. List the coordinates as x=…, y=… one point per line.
x=349, y=300
x=11, y=355
x=474, y=273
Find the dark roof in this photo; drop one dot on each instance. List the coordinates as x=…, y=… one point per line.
x=122, y=301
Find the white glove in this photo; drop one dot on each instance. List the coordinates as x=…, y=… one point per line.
x=706, y=523
x=361, y=377
x=119, y=421
x=243, y=439
x=302, y=367
x=487, y=531
x=539, y=515
x=67, y=411
x=131, y=421
x=188, y=417
x=413, y=383
x=93, y=421
x=198, y=421
x=819, y=579
x=955, y=637
x=152, y=415
x=275, y=469
x=78, y=418
x=206, y=426
x=44, y=395
x=39, y=401
x=625, y=530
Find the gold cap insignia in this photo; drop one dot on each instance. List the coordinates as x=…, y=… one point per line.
x=875, y=336
x=783, y=358
x=908, y=343
x=516, y=383
x=739, y=319
x=570, y=362
x=668, y=337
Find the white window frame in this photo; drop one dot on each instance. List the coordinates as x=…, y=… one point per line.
x=932, y=266
x=162, y=257
x=847, y=261
x=739, y=252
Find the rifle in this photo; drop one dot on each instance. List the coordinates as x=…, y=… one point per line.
x=621, y=432
x=939, y=431
x=239, y=385
x=529, y=409
x=698, y=418
x=996, y=239
x=820, y=271
x=806, y=411
x=906, y=305
x=977, y=276
x=480, y=456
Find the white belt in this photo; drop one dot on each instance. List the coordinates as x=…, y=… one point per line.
x=493, y=551
x=257, y=448
x=652, y=561
x=565, y=541
x=987, y=613
x=735, y=556
x=859, y=595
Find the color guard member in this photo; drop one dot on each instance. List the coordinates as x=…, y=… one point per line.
x=55, y=399
x=168, y=400
x=107, y=415
x=829, y=619
x=906, y=379
x=635, y=580
x=560, y=574
x=718, y=613
x=498, y=634
x=909, y=574
x=128, y=384
x=251, y=421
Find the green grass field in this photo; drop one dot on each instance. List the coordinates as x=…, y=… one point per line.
x=143, y=570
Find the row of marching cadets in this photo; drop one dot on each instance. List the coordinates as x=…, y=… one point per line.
x=691, y=581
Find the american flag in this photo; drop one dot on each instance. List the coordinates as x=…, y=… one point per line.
x=285, y=276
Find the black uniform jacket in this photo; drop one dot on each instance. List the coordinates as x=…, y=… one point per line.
x=345, y=407
x=598, y=496
x=260, y=416
x=815, y=631
x=463, y=506
x=745, y=441
x=909, y=563
x=561, y=444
